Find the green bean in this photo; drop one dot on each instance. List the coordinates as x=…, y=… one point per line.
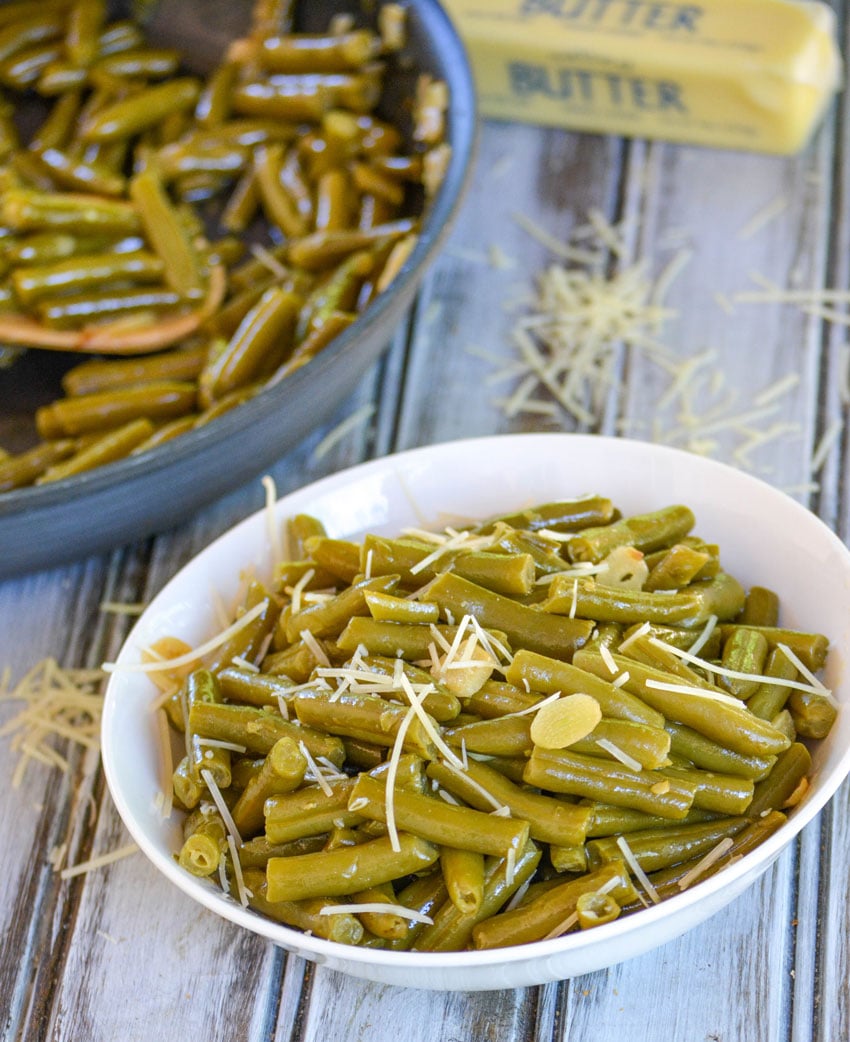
x=144, y=63
x=336, y=323
x=722, y=721
x=108, y=409
x=187, y=789
x=339, y=872
x=328, y=618
x=643, y=648
x=146, y=108
x=107, y=448
x=57, y=126
x=504, y=736
x=25, y=468
x=283, y=770
x=595, y=909
x=548, y=675
x=607, y=820
x=324, y=249
x=761, y=608
x=309, y=811
x=411, y=642
x=255, y=853
x=28, y=210
x=439, y=703
x=258, y=346
x=508, y=574
x=276, y=200
x=367, y=717
x=252, y=688
x=452, y=929
x=35, y=282
x=660, y=848
x=568, y=859
x=85, y=309
x=340, y=557
x=647, y=745
x=712, y=756
x=167, y=235
x=102, y=375
x=722, y=596
x=205, y=839
x=213, y=105
x=813, y=713
x=85, y=22
x=304, y=53
x=721, y=793
x=202, y=687
x=259, y=729
x=425, y=894
x=676, y=636
x=80, y=175
x=769, y=698
x=645, y=532
x=463, y=873
x=680, y=565
x=552, y=910
x=744, y=651
x=306, y=915
x=387, y=608
x=247, y=643
x=523, y=626
x=550, y=820
x=439, y=822
x=575, y=774
x=496, y=698
x=772, y=792
x=26, y=32
x=810, y=648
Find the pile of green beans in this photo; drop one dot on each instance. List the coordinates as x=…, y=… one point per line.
x=220, y=231
x=369, y=736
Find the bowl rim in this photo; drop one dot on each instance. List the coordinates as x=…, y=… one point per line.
x=438, y=218
x=317, y=948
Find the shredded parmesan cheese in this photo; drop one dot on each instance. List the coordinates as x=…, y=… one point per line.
x=705, y=863
x=196, y=653
x=634, y=865
x=82, y=867
x=379, y=908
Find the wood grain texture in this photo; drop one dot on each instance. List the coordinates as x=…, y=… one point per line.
x=120, y=953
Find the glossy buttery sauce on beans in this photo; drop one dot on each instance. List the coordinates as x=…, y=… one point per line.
x=493, y=736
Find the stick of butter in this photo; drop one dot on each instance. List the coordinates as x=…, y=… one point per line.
x=743, y=74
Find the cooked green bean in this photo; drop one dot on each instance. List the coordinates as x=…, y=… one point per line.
x=722, y=596
x=86, y=413
x=550, y=820
x=283, y=770
x=452, y=929
x=730, y=724
x=548, y=675
x=744, y=651
x=538, y=631
x=575, y=774
x=553, y=910
x=339, y=872
x=659, y=848
x=645, y=532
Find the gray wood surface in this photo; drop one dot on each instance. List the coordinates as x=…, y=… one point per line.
x=120, y=954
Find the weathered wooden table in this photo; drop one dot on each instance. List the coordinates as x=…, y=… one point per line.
x=119, y=954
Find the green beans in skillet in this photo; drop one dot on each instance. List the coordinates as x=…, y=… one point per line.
x=427, y=780
x=122, y=177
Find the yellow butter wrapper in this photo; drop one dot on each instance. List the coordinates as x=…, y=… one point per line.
x=742, y=74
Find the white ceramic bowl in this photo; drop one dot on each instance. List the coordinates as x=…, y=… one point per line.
x=764, y=537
